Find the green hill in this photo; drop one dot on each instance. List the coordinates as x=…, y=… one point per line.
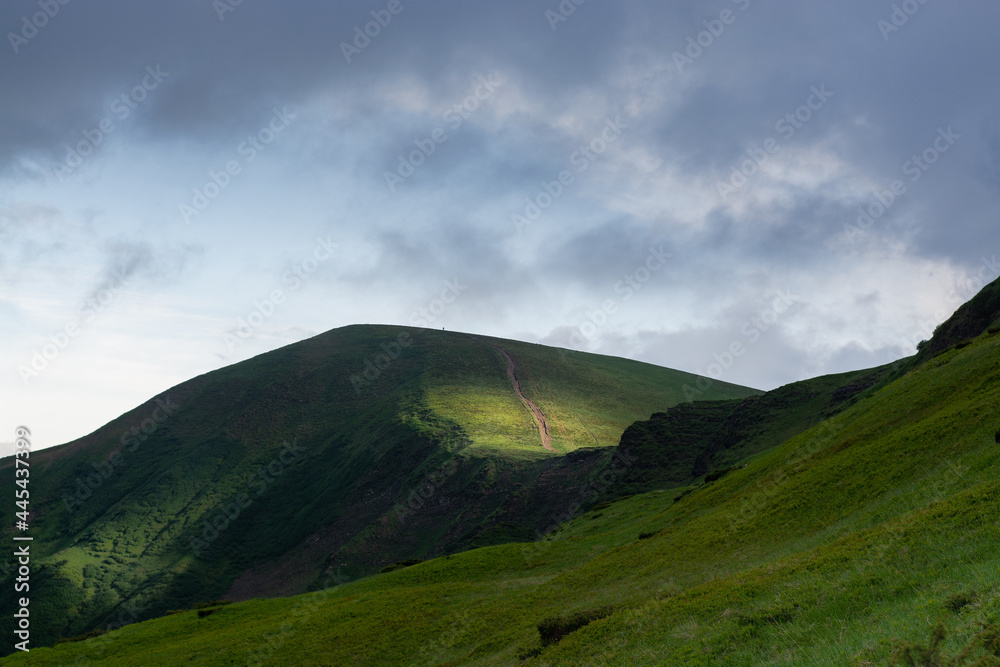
x=347, y=452
x=871, y=534
x=692, y=439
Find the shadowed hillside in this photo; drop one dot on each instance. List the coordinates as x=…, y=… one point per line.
x=862, y=521
x=692, y=439
x=870, y=535
x=349, y=451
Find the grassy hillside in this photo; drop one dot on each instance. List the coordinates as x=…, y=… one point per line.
x=865, y=531
x=979, y=315
x=970, y=320
x=588, y=399
x=355, y=449
x=692, y=439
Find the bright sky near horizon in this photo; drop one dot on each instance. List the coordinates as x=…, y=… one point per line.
x=187, y=184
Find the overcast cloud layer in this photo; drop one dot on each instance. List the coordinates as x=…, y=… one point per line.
x=186, y=184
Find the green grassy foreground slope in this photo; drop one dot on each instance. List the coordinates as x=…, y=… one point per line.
x=354, y=449
x=873, y=526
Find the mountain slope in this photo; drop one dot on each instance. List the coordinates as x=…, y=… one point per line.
x=692, y=439
x=354, y=449
x=971, y=319
x=869, y=527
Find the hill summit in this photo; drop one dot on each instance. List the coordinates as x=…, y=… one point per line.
x=858, y=528
x=355, y=449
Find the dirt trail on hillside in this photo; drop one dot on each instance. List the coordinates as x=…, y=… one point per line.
x=543, y=425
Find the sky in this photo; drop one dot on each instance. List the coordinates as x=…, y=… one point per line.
x=760, y=192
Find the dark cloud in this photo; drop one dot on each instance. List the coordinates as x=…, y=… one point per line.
x=207, y=82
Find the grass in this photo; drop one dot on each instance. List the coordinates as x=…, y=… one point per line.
x=587, y=399
x=857, y=537
x=207, y=501
x=709, y=438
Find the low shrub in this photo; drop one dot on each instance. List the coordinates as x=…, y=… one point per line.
x=601, y=506
x=526, y=653
x=552, y=629
x=767, y=616
x=989, y=639
x=213, y=603
x=682, y=494
x=716, y=474
x=83, y=637
x=914, y=654
x=956, y=602
x=400, y=565
x=202, y=607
